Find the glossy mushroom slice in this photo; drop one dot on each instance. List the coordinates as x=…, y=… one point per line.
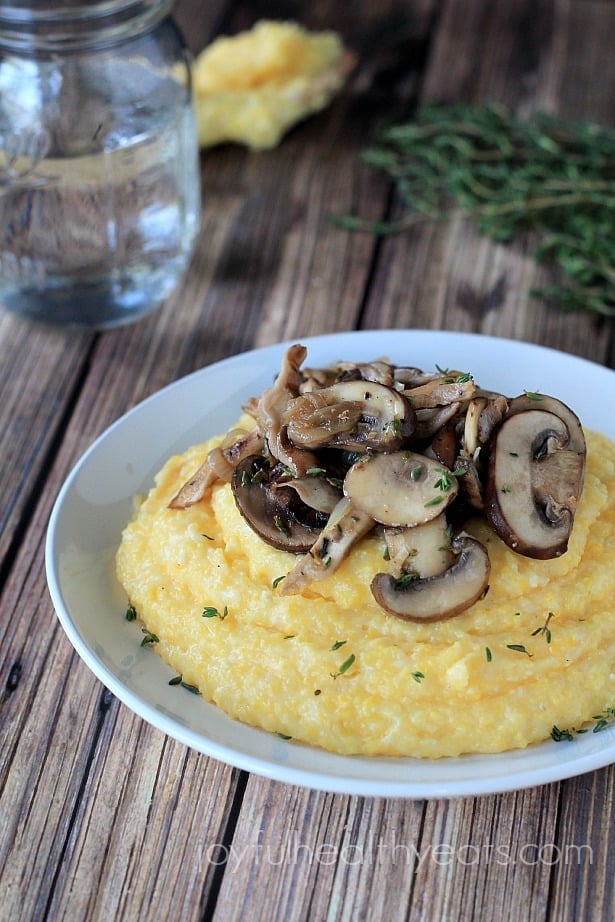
x=533, y=482
x=548, y=404
x=437, y=597
x=424, y=550
x=273, y=510
x=352, y=415
x=218, y=465
x=400, y=488
x=345, y=526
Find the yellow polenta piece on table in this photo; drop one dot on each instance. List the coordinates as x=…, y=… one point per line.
x=329, y=667
x=252, y=87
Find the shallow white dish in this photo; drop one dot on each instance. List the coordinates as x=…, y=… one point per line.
x=96, y=502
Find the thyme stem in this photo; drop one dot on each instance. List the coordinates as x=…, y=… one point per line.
x=510, y=175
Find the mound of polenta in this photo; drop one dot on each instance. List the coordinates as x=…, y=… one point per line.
x=332, y=669
x=252, y=87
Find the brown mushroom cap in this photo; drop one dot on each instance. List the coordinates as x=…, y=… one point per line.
x=533, y=482
x=274, y=511
x=400, y=487
x=437, y=597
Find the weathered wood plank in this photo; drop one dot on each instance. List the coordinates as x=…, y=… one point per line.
x=321, y=856
x=527, y=56
x=90, y=804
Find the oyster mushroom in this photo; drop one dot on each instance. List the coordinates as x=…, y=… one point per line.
x=345, y=526
x=400, y=488
x=273, y=510
x=437, y=597
x=218, y=465
x=353, y=415
x=533, y=481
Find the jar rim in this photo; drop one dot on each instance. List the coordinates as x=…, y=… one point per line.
x=41, y=26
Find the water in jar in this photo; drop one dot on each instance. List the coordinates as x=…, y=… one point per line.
x=99, y=204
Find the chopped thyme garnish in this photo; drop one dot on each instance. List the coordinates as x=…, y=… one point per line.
x=283, y=736
x=559, y=735
x=176, y=681
x=433, y=502
x=488, y=655
x=314, y=471
x=344, y=667
x=464, y=378
x=289, y=636
x=506, y=488
x=544, y=629
x=532, y=395
x=604, y=719
x=338, y=644
x=191, y=688
x=149, y=638
x=131, y=613
x=601, y=722
x=418, y=677
x=281, y=527
x=405, y=579
x=211, y=612
x=518, y=648
x=277, y=581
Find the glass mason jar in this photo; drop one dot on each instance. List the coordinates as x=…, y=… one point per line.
x=99, y=174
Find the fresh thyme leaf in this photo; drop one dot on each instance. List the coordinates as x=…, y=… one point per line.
x=276, y=582
x=518, y=648
x=559, y=735
x=488, y=655
x=177, y=680
x=211, y=612
x=344, y=667
x=149, y=638
x=131, y=613
x=550, y=176
x=338, y=644
x=418, y=677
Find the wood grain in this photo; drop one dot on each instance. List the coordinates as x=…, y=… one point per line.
x=103, y=817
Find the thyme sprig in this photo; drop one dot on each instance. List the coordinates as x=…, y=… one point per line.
x=511, y=175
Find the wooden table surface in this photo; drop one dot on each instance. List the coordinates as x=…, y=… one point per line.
x=104, y=817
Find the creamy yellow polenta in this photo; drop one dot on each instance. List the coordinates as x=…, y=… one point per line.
x=332, y=669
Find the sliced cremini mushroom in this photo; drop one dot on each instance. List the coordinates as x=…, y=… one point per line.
x=315, y=491
x=352, y=415
x=445, y=444
x=400, y=488
x=274, y=511
x=548, y=404
x=346, y=526
x=470, y=483
x=533, y=482
x=423, y=549
x=437, y=597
